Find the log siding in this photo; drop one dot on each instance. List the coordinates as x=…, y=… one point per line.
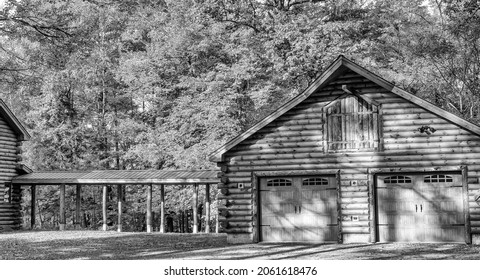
x=10, y=195
x=412, y=138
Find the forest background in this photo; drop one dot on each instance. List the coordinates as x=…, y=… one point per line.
x=159, y=84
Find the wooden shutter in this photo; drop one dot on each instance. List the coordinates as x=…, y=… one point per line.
x=352, y=124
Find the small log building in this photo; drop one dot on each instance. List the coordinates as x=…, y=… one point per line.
x=12, y=134
x=353, y=158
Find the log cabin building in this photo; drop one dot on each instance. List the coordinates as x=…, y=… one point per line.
x=353, y=158
x=12, y=134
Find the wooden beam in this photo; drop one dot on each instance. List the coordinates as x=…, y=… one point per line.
x=339, y=208
x=195, y=208
x=466, y=208
x=119, y=202
x=32, y=205
x=62, y=220
x=104, y=208
x=351, y=91
x=78, y=206
x=149, y=208
x=185, y=221
x=113, y=181
x=372, y=207
x=207, y=208
x=162, y=209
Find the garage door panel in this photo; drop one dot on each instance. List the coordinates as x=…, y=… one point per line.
x=403, y=234
x=316, y=220
x=433, y=192
x=420, y=208
x=445, y=218
x=315, y=233
x=397, y=192
x=440, y=206
x=403, y=220
x=445, y=234
x=284, y=221
x=281, y=208
x=311, y=210
x=319, y=206
x=298, y=209
x=280, y=234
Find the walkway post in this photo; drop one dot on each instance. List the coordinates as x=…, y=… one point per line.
x=195, y=208
x=149, y=208
x=104, y=208
x=120, y=200
x=78, y=206
x=62, y=220
x=207, y=208
x=32, y=205
x=162, y=209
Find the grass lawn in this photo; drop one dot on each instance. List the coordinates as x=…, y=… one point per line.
x=97, y=245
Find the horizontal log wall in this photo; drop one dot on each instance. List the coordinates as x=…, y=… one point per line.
x=10, y=197
x=295, y=141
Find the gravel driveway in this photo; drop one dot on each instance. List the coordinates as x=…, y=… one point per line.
x=112, y=245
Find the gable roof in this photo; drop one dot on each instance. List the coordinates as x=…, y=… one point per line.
x=13, y=122
x=334, y=70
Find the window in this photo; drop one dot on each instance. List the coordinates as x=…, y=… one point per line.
x=438, y=179
x=315, y=182
x=397, y=180
x=279, y=183
x=351, y=124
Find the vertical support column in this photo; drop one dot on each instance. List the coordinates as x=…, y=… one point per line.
x=78, y=205
x=162, y=209
x=62, y=220
x=149, y=208
x=195, y=208
x=104, y=208
x=32, y=205
x=207, y=208
x=119, y=202
x=373, y=205
x=339, y=208
x=466, y=208
x=217, y=226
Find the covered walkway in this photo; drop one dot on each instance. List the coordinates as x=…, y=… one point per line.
x=120, y=178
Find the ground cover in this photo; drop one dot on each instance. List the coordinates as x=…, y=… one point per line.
x=98, y=245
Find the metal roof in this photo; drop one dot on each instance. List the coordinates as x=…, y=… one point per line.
x=133, y=177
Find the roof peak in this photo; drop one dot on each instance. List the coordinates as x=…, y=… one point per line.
x=331, y=72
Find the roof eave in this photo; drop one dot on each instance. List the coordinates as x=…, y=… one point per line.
x=12, y=120
x=437, y=110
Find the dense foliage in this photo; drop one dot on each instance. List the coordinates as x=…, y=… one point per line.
x=139, y=84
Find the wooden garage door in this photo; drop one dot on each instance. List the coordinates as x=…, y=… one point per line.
x=420, y=208
x=298, y=209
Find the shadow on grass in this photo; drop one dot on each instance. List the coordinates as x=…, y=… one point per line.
x=94, y=245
